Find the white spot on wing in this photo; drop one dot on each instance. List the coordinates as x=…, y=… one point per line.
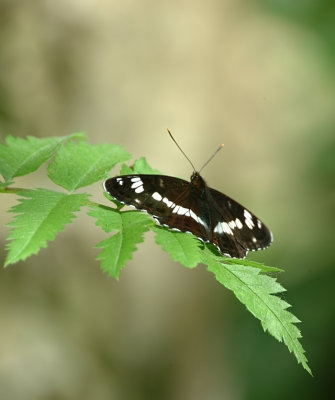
x=137, y=184
x=156, y=196
x=259, y=224
x=169, y=203
x=134, y=179
x=187, y=212
x=248, y=219
x=247, y=214
x=194, y=216
x=249, y=223
x=235, y=224
x=223, y=227
x=180, y=210
x=238, y=223
x=232, y=224
x=139, y=189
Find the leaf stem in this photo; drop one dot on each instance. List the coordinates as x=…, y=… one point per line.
x=12, y=190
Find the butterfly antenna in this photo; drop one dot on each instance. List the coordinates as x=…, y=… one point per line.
x=211, y=157
x=181, y=149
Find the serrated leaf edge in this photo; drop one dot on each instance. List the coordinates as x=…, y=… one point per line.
x=18, y=257
x=294, y=341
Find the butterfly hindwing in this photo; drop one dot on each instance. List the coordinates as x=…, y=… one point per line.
x=247, y=229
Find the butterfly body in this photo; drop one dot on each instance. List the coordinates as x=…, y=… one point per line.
x=193, y=207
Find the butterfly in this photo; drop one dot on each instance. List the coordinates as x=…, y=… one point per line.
x=193, y=207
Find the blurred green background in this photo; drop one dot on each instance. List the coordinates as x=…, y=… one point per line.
x=258, y=76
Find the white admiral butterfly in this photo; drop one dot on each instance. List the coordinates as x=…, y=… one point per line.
x=193, y=207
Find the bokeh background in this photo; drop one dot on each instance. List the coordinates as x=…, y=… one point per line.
x=256, y=75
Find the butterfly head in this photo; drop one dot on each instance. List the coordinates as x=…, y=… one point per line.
x=197, y=181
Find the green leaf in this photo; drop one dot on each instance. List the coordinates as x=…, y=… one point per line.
x=182, y=247
x=4, y=184
x=80, y=164
x=128, y=228
x=22, y=156
x=257, y=292
x=250, y=263
x=126, y=170
x=40, y=215
x=140, y=166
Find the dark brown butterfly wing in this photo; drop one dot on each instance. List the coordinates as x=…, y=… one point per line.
x=166, y=198
x=238, y=222
x=193, y=207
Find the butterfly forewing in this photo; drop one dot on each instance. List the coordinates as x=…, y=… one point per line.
x=146, y=192
x=168, y=199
